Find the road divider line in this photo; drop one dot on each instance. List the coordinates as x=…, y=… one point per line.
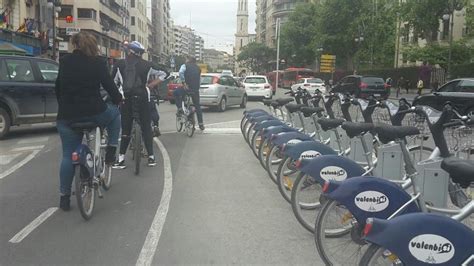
x=33, y=225
x=19, y=164
x=226, y=122
x=33, y=140
x=154, y=233
x=28, y=148
x=229, y=130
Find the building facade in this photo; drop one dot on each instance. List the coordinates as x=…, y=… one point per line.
x=218, y=60
x=242, y=36
x=187, y=43
x=162, y=30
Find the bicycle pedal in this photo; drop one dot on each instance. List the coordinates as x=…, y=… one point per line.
x=99, y=192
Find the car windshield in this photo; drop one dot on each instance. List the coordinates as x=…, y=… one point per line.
x=373, y=80
x=255, y=80
x=315, y=81
x=207, y=80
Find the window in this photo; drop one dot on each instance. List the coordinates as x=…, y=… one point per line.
x=48, y=71
x=132, y=21
x=132, y=3
x=132, y=37
x=20, y=70
x=3, y=72
x=65, y=11
x=467, y=86
x=450, y=87
x=85, y=13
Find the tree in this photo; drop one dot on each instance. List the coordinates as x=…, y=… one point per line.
x=256, y=57
x=438, y=54
x=297, y=40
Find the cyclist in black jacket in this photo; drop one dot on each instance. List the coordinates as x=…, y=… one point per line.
x=135, y=74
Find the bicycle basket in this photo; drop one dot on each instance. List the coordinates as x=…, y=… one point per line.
x=418, y=121
x=459, y=139
x=382, y=116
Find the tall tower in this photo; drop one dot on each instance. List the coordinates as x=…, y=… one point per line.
x=242, y=33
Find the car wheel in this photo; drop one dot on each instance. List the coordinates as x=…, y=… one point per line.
x=222, y=105
x=244, y=102
x=5, y=122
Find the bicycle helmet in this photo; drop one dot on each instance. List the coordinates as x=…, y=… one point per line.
x=136, y=48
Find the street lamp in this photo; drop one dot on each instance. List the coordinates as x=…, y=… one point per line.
x=358, y=40
x=319, y=50
x=453, y=5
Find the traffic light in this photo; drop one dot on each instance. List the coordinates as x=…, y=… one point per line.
x=69, y=19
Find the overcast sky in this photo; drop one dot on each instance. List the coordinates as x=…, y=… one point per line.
x=214, y=20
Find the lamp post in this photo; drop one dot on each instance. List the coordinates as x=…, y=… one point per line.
x=55, y=6
x=453, y=5
x=278, y=53
x=358, y=40
x=318, y=59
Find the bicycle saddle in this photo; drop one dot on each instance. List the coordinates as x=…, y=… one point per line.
x=389, y=133
x=89, y=126
x=308, y=111
x=328, y=124
x=461, y=171
x=275, y=104
x=294, y=107
x=283, y=101
x=267, y=102
x=354, y=129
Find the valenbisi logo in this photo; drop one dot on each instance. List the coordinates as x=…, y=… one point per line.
x=371, y=201
x=307, y=155
x=294, y=141
x=333, y=173
x=431, y=248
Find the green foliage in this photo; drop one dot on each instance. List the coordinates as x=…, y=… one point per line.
x=423, y=16
x=256, y=57
x=439, y=54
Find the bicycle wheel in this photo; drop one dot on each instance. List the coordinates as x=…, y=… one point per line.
x=179, y=123
x=85, y=193
x=305, y=200
x=248, y=134
x=190, y=126
x=106, y=170
x=272, y=162
x=286, y=175
x=376, y=255
x=137, y=152
x=255, y=143
x=263, y=150
x=338, y=236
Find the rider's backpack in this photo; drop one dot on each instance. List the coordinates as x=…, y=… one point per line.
x=132, y=83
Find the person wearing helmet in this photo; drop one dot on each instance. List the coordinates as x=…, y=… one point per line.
x=134, y=76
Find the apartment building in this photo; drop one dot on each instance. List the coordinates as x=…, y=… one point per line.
x=162, y=30
x=218, y=60
x=198, y=47
x=139, y=23
x=187, y=43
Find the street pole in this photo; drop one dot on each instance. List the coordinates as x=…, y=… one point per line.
x=54, y=33
x=278, y=52
x=450, y=43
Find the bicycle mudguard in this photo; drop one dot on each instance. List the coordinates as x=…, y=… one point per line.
x=267, y=123
x=85, y=159
x=366, y=197
x=261, y=118
x=424, y=238
x=249, y=115
x=291, y=137
x=330, y=168
x=307, y=150
x=255, y=110
x=269, y=131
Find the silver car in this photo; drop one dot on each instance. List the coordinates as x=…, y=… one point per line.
x=221, y=91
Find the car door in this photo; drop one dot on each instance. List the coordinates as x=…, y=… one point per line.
x=237, y=92
x=351, y=85
x=448, y=92
x=465, y=101
x=48, y=72
x=25, y=90
x=223, y=88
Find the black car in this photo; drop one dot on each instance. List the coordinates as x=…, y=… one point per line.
x=460, y=92
x=27, y=93
x=363, y=86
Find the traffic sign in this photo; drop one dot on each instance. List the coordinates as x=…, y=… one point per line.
x=327, y=63
x=72, y=31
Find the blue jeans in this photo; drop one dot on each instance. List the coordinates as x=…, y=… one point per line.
x=71, y=139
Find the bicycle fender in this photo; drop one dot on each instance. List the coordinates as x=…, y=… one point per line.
x=269, y=131
x=261, y=118
x=267, y=123
x=330, y=168
x=257, y=113
x=85, y=158
x=254, y=111
x=424, y=238
x=291, y=137
x=367, y=197
x=307, y=150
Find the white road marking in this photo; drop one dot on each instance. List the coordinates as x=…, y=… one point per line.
x=230, y=130
x=153, y=237
x=19, y=164
x=28, y=148
x=226, y=122
x=33, y=225
x=8, y=158
x=33, y=140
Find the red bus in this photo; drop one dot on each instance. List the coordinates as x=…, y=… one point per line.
x=291, y=75
x=271, y=76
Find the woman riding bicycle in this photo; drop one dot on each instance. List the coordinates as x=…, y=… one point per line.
x=81, y=74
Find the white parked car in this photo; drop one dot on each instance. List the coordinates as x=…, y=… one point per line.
x=310, y=84
x=258, y=86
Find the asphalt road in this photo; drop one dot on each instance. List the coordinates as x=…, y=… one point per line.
x=207, y=201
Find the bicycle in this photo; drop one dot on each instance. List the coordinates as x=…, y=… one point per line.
x=90, y=171
x=136, y=139
x=186, y=118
